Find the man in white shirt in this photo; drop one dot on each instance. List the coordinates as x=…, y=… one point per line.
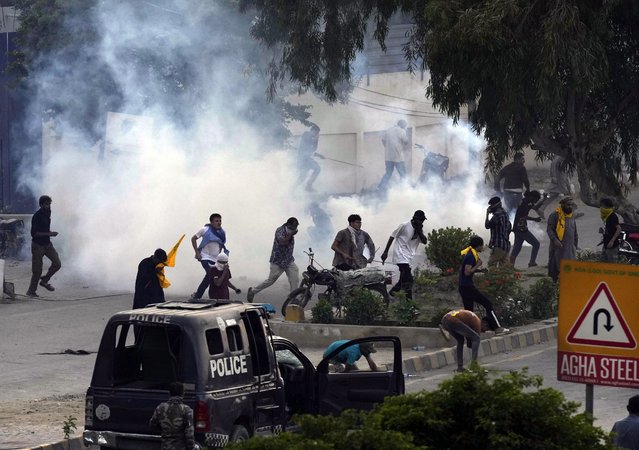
x=395, y=140
x=407, y=238
x=212, y=243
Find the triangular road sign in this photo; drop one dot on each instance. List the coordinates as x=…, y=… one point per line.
x=601, y=323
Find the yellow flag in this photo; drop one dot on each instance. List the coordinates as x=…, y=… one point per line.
x=170, y=262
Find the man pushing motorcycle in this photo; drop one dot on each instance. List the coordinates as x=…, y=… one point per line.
x=349, y=246
x=407, y=237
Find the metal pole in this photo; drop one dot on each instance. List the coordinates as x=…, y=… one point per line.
x=589, y=399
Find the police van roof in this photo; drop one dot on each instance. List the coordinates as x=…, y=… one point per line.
x=186, y=309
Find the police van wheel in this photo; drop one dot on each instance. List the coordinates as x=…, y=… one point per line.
x=239, y=434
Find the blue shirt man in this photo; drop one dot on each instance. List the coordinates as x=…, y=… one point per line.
x=350, y=355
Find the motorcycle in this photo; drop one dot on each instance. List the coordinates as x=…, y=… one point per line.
x=629, y=242
x=338, y=283
x=434, y=164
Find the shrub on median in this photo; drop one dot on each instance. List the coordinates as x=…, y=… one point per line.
x=470, y=411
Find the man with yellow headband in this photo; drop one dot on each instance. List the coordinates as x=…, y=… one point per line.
x=470, y=295
x=562, y=231
x=611, y=231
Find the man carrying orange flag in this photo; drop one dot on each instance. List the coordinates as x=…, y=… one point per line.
x=170, y=262
x=151, y=281
x=147, y=283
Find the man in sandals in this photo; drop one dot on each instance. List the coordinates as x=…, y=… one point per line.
x=41, y=246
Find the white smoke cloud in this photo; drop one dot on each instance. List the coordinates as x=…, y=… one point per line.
x=111, y=213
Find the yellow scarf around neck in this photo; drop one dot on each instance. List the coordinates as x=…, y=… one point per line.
x=605, y=213
x=561, y=223
x=470, y=249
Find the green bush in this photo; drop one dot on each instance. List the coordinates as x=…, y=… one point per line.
x=587, y=254
x=404, y=309
x=468, y=412
x=502, y=285
x=499, y=283
x=322, y=312
x=424, y=278
x=542, y=298
x=363, y=307
x=444, y=245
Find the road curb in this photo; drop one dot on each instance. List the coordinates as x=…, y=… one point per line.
x=492, y=346
x=67, y=444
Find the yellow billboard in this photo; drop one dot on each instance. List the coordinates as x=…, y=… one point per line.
x=598, y=324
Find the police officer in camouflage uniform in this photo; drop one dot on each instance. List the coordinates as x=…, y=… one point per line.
x=175, y=419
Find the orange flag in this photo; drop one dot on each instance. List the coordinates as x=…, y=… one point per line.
x=170, y=262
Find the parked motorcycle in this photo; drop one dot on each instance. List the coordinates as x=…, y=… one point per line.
x=629, y=242
x=338, y=283
x=433, y=165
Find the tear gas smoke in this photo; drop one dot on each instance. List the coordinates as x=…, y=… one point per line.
x=112, y=212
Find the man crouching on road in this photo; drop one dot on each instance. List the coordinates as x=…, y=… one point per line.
x=463, y=325
x=345, y=360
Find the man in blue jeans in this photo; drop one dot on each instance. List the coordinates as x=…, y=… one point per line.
x=395, y=140
x=213, y=242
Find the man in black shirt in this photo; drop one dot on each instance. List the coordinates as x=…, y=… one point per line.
x=147, y=284
x=41, y=246
x=611, y=231
x=515, y=177
x=532, y=200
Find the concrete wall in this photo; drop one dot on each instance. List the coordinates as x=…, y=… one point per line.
x=351, y=132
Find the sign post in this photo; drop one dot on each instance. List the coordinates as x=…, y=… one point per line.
x=598, y=322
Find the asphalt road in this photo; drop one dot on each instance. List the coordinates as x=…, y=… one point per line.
x=35, y=332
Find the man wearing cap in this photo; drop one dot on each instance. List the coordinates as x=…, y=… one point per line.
x=282, y=260
x=562, y=231
x=626, y=431
x=407, y=238
x=500, y=227
x=515, y=177
x=350, y=355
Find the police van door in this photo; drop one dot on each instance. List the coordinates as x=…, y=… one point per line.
x=359, y=374
x=269, y=402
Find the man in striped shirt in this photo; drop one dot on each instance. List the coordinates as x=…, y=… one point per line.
x=500, y=227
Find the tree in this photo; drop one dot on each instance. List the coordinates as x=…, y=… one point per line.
x=63, y=64
x=469, y=412
x=561, y=76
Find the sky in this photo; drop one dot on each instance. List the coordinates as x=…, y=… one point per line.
x=150, y=180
